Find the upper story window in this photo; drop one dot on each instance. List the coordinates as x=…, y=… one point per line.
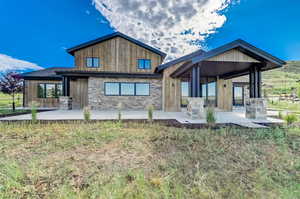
x=144, y=64
x=92, y=62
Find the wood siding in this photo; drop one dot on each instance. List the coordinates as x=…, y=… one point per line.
x=31, y=94
x=79, y=93
x=233, y=56
x=116, y=55
x=224, y=93
x=171, y=90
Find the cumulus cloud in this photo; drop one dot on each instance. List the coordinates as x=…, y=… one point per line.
x=176, y=27
x=8, y=63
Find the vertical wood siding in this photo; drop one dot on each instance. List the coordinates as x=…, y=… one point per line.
x=31, y=94
x=116, y=55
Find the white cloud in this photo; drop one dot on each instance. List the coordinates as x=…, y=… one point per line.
x=8, y=63
x=87, y=12
x=160, y=23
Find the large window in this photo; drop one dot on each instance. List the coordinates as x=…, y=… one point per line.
x=126, y=89
x=93, y=62
x=209, y=91
x=144, y=64
x=49, y=90
x=142, y=89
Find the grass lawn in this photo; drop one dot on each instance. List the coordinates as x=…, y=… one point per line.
x=285, y=106
x=113, y=160
x=10, y=111
x=6, y=100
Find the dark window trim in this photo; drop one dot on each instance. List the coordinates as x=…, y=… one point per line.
x=135, y=83
x=93, y=62
x=45, y=90
x=143, y=67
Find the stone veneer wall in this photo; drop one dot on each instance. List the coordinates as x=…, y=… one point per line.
x=98, y=101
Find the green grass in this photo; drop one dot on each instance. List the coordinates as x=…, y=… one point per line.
x=6, y=100
x=10, y=111
x=122, y=160
x=285, y=106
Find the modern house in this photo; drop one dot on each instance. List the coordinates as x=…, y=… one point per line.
x=117, y=68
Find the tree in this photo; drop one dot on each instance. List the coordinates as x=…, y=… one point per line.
x=11, y=83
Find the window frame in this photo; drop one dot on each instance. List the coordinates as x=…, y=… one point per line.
x=120, y=87
x=93, y=62
x=143, y=67
x=44, y=94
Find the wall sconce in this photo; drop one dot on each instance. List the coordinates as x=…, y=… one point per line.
x=224, y=85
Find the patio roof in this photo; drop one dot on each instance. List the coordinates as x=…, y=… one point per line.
x=215, y=62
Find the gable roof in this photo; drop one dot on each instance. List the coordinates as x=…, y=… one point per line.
x=47, y=73
x=113, y=35
x=187, y=57
x=244, y=47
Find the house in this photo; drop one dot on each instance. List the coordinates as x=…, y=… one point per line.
x=119, y=69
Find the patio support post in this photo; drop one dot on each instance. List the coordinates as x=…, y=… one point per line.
x=66, y=86
x=195, y=82
x=255, y=82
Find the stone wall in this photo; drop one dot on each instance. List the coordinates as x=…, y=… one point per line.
x=98, y=101
x=65, y=103
x=256, y=108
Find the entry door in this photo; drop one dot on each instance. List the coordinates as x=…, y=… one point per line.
x=79, y=93
x=238, y=96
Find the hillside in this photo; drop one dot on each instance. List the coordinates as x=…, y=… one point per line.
x=282, y=80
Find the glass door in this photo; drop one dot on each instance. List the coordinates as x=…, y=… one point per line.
x=238, y=96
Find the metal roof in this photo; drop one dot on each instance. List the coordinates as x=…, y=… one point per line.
x=110, y=36
x=47, y=73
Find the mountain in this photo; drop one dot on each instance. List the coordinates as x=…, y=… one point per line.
x=283, y=80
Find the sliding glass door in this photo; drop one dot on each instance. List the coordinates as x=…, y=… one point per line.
x=238, y=96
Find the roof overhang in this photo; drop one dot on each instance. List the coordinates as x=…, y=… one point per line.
x=108, y=74
x=113, y=35
x=230, y=69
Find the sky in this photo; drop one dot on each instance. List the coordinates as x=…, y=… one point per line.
x=35, y=34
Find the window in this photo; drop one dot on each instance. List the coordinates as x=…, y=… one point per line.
x=126, y=89
x=49, y=90
x=184, y=93
x=112, y=89
x=142, y=89
x=144, y=64
x=92, y=62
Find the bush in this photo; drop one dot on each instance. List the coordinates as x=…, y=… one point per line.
x=290, y=118
x=210, y=116
x=150, y=113
x=280, y=116
x=87, y=114
x=34, y=112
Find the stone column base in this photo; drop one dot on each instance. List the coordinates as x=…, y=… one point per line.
x=256, y=108
x=195, y=108
x=65, y=103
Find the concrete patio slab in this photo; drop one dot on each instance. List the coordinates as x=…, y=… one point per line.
x=235, y=117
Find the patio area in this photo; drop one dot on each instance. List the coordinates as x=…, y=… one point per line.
x=237, y=116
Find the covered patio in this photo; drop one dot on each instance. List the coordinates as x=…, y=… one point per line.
x=221, y=65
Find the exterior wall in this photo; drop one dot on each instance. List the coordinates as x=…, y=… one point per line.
x=233, y=56
x=98, y=100
x=171, y=90
x=224, y=94
x=79, y=92
x=31, y=94
x=116, y=55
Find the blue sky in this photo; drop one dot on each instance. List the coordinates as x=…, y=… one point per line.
x=39, y=31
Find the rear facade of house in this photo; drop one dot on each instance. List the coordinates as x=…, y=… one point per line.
x=116, y=69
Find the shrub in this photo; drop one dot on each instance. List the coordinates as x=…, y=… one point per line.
x=119, y=112
x=210, y=116
x=280, y=116
x=290, y=118
x=87, y=114
x=150, y=113
x=34, y=112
